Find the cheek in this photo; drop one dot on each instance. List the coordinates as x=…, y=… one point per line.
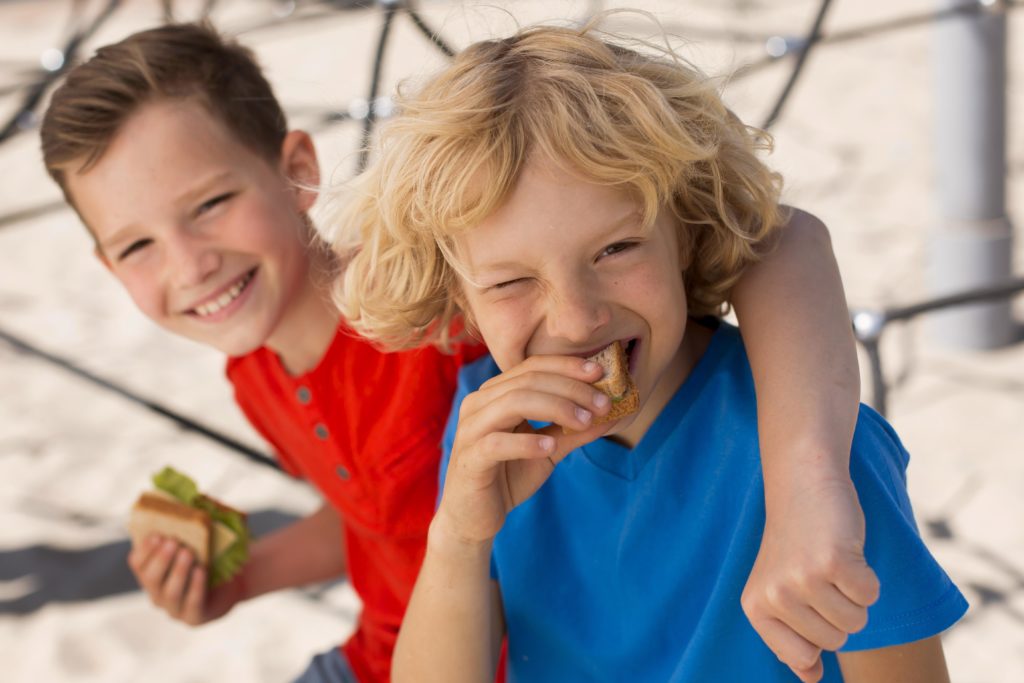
x=145, y=292
x=505, y=328
x=655, y=287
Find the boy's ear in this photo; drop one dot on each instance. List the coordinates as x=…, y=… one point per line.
x=299, y=165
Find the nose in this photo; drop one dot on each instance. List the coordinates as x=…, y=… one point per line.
x=190, y=260
x=576, y=313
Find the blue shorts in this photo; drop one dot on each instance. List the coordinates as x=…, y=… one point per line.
x=328, y=667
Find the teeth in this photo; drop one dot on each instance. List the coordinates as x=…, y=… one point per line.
x=224, y=299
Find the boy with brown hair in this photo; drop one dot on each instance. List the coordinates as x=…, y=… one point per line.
x=176, y=155
x=174, y=152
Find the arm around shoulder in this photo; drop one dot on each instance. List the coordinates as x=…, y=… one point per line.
x=796, y=327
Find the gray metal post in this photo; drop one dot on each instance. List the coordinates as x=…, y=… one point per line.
x=971, y=245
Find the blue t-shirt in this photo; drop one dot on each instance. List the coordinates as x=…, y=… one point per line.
x=629, y=564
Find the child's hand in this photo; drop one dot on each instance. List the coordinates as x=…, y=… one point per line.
x=810, y=586
x=498, y=460
x=168, y=573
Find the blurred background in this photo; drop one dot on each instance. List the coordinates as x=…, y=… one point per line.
x=877, y=107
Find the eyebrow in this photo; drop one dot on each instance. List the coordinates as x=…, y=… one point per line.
x=632, y=215
x=186, y=197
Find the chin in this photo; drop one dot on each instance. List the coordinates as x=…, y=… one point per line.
x=238, y=348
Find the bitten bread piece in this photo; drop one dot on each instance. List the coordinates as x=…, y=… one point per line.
x=154, y=513
x=616, y=383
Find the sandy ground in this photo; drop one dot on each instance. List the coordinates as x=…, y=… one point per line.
x=854, y=143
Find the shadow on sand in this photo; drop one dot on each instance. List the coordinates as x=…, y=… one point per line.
x=46, y=574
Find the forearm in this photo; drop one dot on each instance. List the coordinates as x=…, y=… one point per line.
x=918, y=662
x=450, y=629
x=796, y=327
x=305, y=552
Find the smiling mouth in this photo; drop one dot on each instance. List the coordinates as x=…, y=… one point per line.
x=232, y=293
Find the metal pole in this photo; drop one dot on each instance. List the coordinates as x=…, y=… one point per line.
x=971, y=245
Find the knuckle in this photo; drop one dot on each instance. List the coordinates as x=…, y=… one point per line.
x=802, y=578
x=490, y=441
x=469, y=405
x=857, y=621
x=834, y=641
x=776, y=595
x=803, y=658
x=751, y=603
x=830, y=564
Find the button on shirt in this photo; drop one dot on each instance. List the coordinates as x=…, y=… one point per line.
x=364, y=428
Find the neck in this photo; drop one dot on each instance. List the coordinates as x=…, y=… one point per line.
x=309, y=325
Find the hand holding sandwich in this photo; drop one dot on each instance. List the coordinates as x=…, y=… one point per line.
x=498, y=460
x=197, y=578
x=168, y=572
x=185, y=543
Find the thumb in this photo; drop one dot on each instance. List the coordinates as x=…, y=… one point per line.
x=858, y=580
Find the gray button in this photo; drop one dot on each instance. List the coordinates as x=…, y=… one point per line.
x=304, y=395
x=343, y=473
x=321, y=432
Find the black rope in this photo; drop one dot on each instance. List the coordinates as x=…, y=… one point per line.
x=812, y=39
x=900, y=23
x=378, y=66
x=31, y=212
x=1000, y=291
x=871, y=30
x=870, y=336
x=186, y=423
x=430, y=33
x=35, y=93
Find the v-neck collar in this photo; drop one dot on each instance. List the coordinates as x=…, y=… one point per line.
x=626, y=463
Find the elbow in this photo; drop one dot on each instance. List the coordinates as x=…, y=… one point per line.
x=806, y=228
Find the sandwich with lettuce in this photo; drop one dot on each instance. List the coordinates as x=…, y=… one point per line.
x=216, y=534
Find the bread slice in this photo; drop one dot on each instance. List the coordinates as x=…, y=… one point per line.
x=164, y=515
x=616, y=383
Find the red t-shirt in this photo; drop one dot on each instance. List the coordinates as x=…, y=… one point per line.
x=363, y=427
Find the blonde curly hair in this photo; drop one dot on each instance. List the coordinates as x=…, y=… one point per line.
x=652, y=125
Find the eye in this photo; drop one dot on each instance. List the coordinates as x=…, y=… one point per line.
x=134, y=247
x=211, y=203
x=508, y=283
x=617, y=248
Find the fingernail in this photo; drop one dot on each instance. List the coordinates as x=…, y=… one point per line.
x=583, y=415
x=589, y=366
x=546, y=443
x=600, y=400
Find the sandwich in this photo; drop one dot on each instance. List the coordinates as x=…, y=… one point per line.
x=616, y=383
x=216, y=534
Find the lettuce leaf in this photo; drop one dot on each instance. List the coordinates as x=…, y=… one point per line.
x=228, y=563
x=224, y=567
x=171, y=481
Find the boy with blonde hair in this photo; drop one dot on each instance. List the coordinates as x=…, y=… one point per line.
x=564, y=193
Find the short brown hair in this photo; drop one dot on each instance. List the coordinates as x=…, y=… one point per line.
x=176, y=61
x=649, y=124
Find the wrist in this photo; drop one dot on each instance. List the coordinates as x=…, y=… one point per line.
x=241, y=587
x=792, y=472
x=444, y=538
